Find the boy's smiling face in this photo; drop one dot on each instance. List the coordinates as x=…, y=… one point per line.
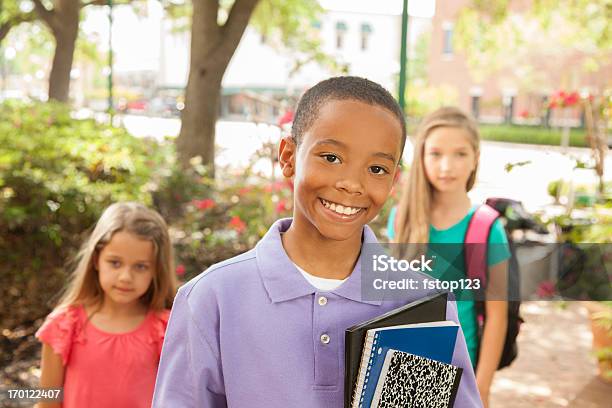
x=344, y=167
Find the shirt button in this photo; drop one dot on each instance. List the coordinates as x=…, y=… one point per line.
x=325, y=339
x=322, y=301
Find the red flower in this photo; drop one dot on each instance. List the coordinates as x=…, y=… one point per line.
x=237, y=224
x=571, y=99
x=204, y=204
x=561, y=99
x=286, y=118
x=244, y=190
x=180, y=270
x=546, y=290
x=281, y=206
x=524, y=113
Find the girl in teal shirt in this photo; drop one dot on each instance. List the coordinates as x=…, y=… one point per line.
x=435, y=209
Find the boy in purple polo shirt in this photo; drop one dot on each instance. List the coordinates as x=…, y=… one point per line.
x=266, y=328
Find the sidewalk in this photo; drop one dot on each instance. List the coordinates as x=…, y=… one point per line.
x=554, y=367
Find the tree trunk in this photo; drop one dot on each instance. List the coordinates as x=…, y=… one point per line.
x=63, y=21
x=197, y=136
x=212, y=47
x=59, y=78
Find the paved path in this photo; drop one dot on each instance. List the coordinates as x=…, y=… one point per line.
x=554, y=368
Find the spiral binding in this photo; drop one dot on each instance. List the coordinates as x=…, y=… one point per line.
x=364, y=375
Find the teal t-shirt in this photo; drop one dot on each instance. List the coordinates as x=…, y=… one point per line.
x=449, y=265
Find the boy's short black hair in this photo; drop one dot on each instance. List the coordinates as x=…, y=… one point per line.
x=343, y=88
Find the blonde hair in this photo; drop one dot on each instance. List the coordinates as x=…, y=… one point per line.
x=414, y=209
x=84, y=286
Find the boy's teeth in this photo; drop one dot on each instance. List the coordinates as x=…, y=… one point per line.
x=340, y=209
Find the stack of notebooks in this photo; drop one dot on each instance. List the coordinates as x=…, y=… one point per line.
x=403, y=358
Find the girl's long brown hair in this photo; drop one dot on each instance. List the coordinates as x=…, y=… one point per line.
x=414, y=209
x=84, y=286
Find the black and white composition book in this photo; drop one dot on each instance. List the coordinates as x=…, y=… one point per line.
x=361, y=357
x=407, y=380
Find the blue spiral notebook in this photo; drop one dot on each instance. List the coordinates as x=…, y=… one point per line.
x=433, y=340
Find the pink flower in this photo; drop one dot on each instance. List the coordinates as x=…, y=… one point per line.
x=278, y=186
x=237, y=224
x=546, y=290
x=524, y=113
x=281, y=206
x=204, y=204
x=244, y=190
x=180, y=270
x=571, y=99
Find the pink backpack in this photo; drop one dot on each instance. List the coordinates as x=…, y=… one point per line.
x=476, y=245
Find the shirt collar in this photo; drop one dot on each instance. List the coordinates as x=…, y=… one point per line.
x=284, y=282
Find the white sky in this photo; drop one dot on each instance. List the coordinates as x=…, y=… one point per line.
x=416, y=8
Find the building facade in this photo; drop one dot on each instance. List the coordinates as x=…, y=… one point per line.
x=502, y=96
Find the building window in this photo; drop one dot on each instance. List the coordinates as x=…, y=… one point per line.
x=447, y=37
x=366, y=30
x=340, y=32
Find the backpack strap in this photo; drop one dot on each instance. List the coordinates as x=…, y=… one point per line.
x=477, y=234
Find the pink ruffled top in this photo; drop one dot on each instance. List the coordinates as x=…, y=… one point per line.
x=103, y=369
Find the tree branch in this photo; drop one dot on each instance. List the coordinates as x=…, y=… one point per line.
x=105, y=3
x=236, y=23
x=210, y=10
x=4, y=30
x=46, y=15
x=14, y=21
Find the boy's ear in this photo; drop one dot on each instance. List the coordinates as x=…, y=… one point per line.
x=287, y=152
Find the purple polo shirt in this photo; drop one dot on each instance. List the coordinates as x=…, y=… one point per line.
x=252, y=332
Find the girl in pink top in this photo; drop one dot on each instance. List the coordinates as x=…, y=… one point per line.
x=103, y=341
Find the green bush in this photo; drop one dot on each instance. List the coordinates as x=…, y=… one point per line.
x=57, y=174
x=530, y=135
